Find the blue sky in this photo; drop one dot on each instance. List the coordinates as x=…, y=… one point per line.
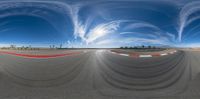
x=102, y=23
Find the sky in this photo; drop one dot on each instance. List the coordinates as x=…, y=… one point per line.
x=100, y=23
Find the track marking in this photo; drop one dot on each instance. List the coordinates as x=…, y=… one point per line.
x=145, y=56
x=124, y=54
x=136, y=55
x=171, y=52
x=156, y=55
x=163, y=54
x=39, y=56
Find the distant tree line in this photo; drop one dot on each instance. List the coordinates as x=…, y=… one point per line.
x=20, y=48
x=57, y=47
x=29, y=47
x=139, y=47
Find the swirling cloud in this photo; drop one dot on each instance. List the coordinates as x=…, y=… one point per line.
x=187, y=16
x=99, y=21
x=103, y=23
x=137, y=35
x=49, y=20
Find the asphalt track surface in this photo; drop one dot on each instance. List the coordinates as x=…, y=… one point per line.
x=100, y=74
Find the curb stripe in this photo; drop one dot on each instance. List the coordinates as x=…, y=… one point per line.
x=39, y=56
x=124, y=54
x=156, y=55
x=145, y=56
x=136, y=55
x=163, y=54
x=171, y=52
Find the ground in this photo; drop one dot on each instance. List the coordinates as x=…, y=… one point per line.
x=99, y=74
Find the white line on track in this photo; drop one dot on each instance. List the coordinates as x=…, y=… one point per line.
x=163, y=54
x=124, y=54
x=112, y=52
x=85, y=51
x=171, y=52
x=145, y=56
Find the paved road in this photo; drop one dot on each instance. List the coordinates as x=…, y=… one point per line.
x=99, y=74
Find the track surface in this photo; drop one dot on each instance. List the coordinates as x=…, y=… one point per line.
x=99, y=74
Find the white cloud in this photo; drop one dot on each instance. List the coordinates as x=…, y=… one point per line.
x=97, y=35
x=140, y=25
x=184, y=19
x=102, y=30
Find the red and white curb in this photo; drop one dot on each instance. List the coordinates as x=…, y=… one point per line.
x=136, y=55
x=39, y=56
x=145, y=56
x=124, y=54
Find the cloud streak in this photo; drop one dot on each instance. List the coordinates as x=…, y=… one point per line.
x=108, y=22
x=184, y=17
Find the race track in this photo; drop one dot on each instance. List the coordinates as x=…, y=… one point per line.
x=100, y=74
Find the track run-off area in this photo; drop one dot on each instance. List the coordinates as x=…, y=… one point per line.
x=99, y=74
